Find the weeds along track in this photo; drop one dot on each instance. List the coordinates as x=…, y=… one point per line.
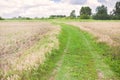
x=105, y=33
x=23, y=46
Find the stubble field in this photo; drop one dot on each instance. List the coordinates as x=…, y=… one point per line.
x=23, y=46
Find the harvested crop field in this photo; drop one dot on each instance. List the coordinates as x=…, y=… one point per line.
x=23, y=46
x=108, y=32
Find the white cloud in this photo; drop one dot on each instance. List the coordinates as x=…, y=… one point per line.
x=78, y=2
x=50, y=9
x=39, y=8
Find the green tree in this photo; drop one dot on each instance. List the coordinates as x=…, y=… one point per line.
x=1, y=18
x=116, y=12
x=101, y=13
x=85, y=12
x=117, y=8
x=101, y=10
x=72, y=14
x=57, y=16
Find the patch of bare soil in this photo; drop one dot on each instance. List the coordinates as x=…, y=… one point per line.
x=55, y=71
x=19, y=49
x=100, y=75
x=108, y=32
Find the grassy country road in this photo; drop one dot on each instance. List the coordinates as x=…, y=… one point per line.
x=78, y=58
x=81, y=60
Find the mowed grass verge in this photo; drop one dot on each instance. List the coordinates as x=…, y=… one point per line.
x=85, y=58
x=80, y=57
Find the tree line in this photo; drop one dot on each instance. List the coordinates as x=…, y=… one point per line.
x=86, y=13
x=101, y=13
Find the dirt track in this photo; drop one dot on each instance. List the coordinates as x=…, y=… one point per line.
x=106, y=31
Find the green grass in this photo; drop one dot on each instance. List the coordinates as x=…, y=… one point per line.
x=58, y=19
x=80, y=20
x=111, y=56
x=78, y=63
x=81, y=59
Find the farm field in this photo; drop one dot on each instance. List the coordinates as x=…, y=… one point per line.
x=23, y=45
x=59, y=51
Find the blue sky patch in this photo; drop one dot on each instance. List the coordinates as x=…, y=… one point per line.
x=56, y=0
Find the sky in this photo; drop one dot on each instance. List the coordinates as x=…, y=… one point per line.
x=45, y=8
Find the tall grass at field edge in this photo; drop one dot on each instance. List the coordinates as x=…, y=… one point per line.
x=43, y=72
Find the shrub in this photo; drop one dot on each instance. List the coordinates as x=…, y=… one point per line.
x=101, y=17
x=101, y=13
x=115, y=17
x=84, y=17
x=1, y=18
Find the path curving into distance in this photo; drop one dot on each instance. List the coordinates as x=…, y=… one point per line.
x=78, y=58
x=81, y=59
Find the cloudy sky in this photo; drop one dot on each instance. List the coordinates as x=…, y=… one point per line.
x=44, y=8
